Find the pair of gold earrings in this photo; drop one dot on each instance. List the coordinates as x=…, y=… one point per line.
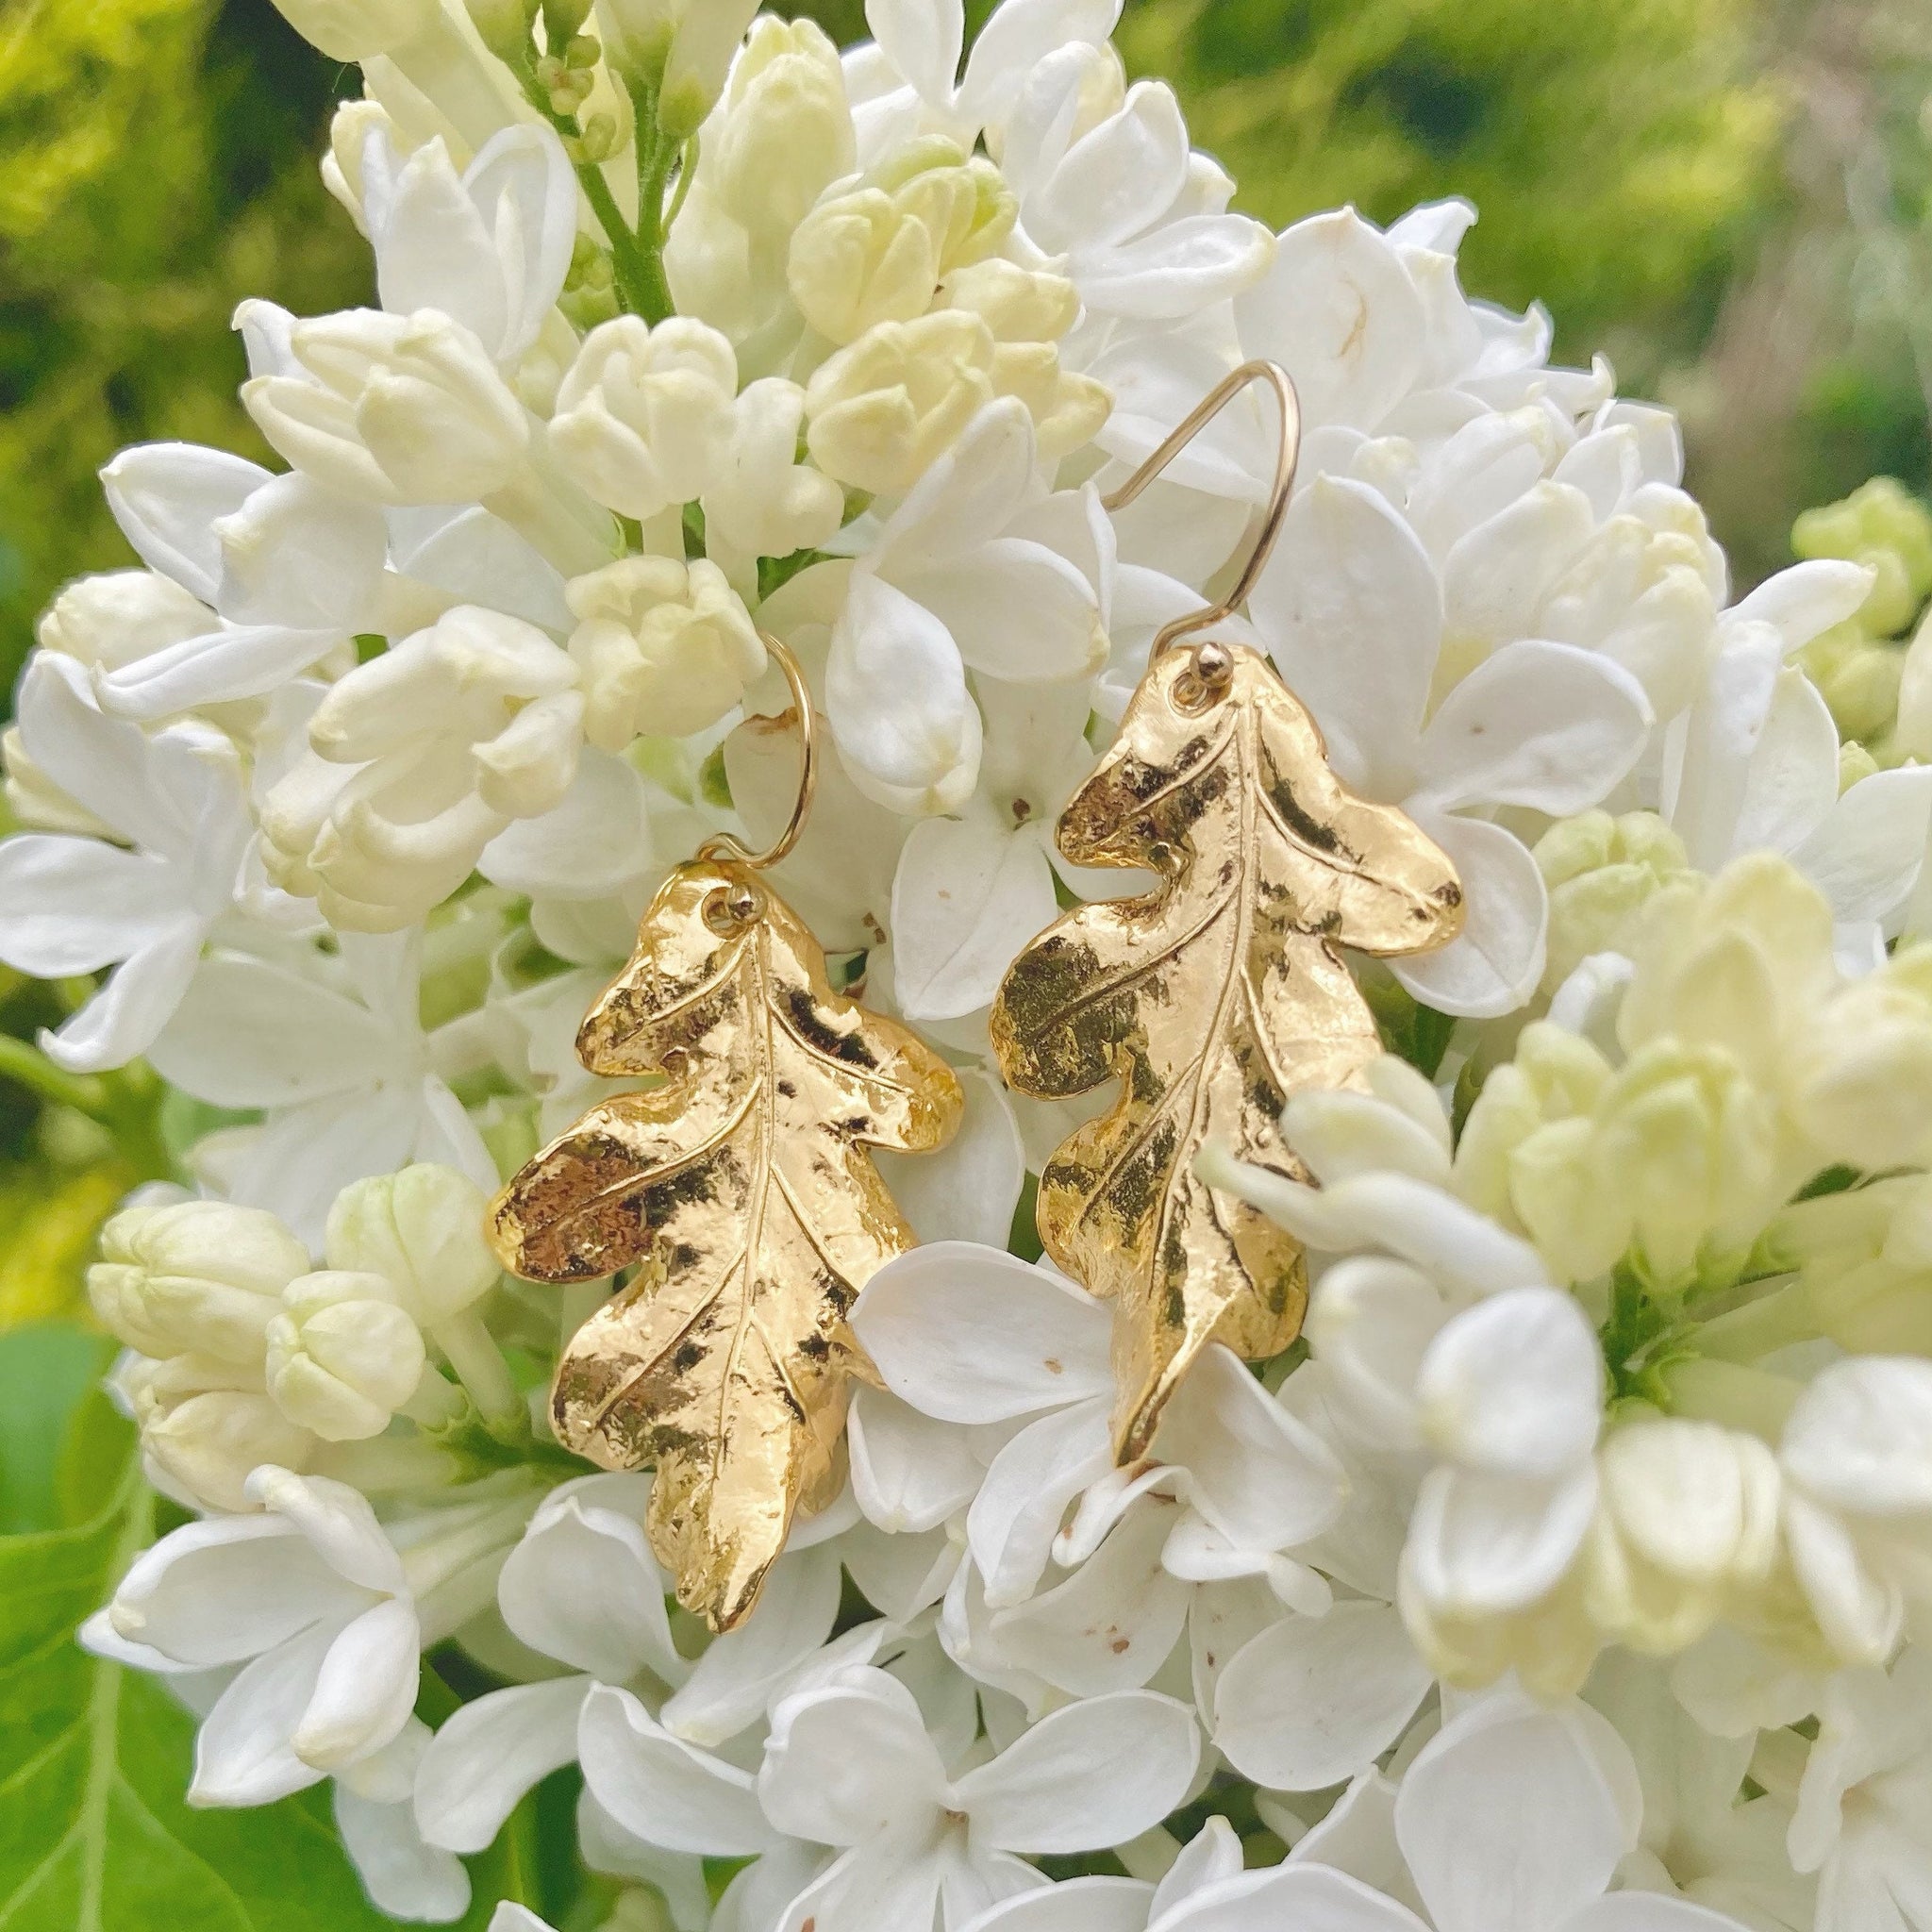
x=744, y=1184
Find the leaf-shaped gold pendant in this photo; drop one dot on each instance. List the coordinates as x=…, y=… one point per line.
x=1211, y=999
x=743, y=1187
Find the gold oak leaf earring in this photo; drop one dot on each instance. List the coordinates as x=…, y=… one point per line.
x=1217, y=995
x=743, y=1186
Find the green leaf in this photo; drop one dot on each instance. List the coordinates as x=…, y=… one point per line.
x=95, y=1833
x=45, y=1372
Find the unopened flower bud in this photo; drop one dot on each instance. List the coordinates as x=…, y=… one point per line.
x=503, y=25
x=877, y=252
x=202, y=1436
x=194, y=1277
x=666, y=648
x=358, y=29
x=786, y=131
x=392, y=408
x=1601, y=872
x=883, y=410
x=644, y=418
x=343, y=1357
x=421, y=1230
x=120, y=616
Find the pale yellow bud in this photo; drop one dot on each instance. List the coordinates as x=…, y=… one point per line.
x=784, y=132
x=421, y=1230
x=196, y=1277
x=342, y=1358
x=121, y=616
x=666, y=648
x=1601, y=872
x=203, y=1436
x=881, y=410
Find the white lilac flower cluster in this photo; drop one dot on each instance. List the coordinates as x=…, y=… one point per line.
x=1574, y=1572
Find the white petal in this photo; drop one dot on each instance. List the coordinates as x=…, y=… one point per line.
x=1015, y=609
x=1074, y=1905
x=1719, y=735
x=337, y=1522
x=432, y=249
x=897, y=700
x=71, y=905
x=1263, y=1479
x=236, y=661
x=584, y=1587
x=1494, y=965
x=243, y=1752
x=1178, y=269
x=872, y=1888
x=403, y=1877
x=1806, y=599
x=967, y=1191
x=166, y=497
x=1495, y=579
x=1791, y=780
x=968, y=894
x=584, y=847
x=971, y=1334
x=1860, y=1438
x=1210, y=1856
x=227, y=1589
x=911, y=1474
x=521, y=181
x=1540, y=725
x=1352, y=614
x=489, y=1753
x=1507, y=1820
x=1014, y=1519
x=127, y=1015
x=1316, y=1700
x=1113, y=1622
x=1514, y=1385
x=1869, y=851
x=252, y=1033
x=923, y=39
x=1489, y=1545
x=105, y=763
x=1299, y=1895
x=847, y=1765
x=1370, y=1324
x=1095, y=1774
x=663, y=1789
x=1647, y=1911
x=366, y=1688
x=737, y=1675
x=1116, y=177
x=1020, y=34
x=1340, y=313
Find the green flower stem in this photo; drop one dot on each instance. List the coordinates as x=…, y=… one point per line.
x=472, y=1352
x=30, y=1068
x=636, y=258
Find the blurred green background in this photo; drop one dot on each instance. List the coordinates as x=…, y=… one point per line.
x=1732, y=198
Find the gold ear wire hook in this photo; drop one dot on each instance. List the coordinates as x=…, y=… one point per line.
x=724, y=846
x=1209, y=407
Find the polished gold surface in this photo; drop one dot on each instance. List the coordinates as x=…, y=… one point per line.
x=1211, y=1000
x=743, y=1188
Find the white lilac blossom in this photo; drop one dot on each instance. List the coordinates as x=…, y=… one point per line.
x=1571, y=1573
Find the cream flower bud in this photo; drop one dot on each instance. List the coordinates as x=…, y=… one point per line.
x=1865, y=1259
x=785, y=130
x=120, y=616
x=203, y=1436
x=666, y=648
x=1690, y=1520
x=343, y=1357
x=708, y=35
x=1028, y=311
x=358, y=29
x=883, y=409
x=877, y=252
x=421, y=1230
x=459, y=729
x=644, y=418
x=393, y=409
x=1602, y=872
x=197, y=1278
x=1862, y=1088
